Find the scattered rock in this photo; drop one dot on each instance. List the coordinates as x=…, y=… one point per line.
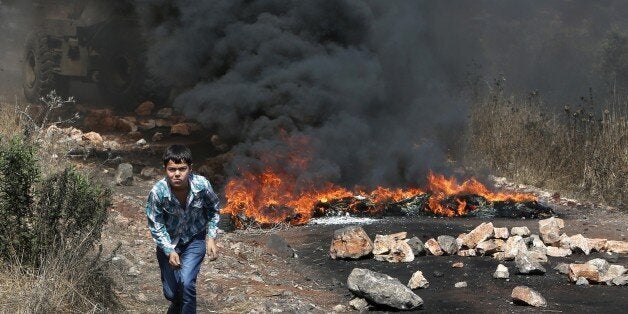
x=514, y=245
x=612, y=272
x=477, y=235
x=549, y=229
x=491, y=246
x=457, y=265
x=418, y=281
x=536, y=242
x=350, y=242
x=501, y=233
x=582, y=281
x=527, y=265
x=587, y=271
x=145, y=108
x=448, y=244
x=339, y=308
x=557, y=252
x=526, y=295
x=538, y=255
x=562, y=268
x=359, y=304
x=124, y=174
x=433, y=247
x=466, y=253
x=141, y=143
x=384, y=243
x=461, y=284
x=597, y=244
x=617, y=246
x=93, y=137
x=181, y=129
x=580, y=243
x=501, y=272
x=621, y=280
x=416, y=245
x=602, y=265
x=520, y=231
x=382, y=289
x=400, y=252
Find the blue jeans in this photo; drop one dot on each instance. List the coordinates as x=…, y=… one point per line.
x=180, y=284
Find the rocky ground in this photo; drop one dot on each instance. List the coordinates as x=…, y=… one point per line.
x=289, y=269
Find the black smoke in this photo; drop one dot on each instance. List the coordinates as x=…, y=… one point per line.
x=372, y=92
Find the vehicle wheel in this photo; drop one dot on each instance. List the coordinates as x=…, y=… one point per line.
x=42, y=58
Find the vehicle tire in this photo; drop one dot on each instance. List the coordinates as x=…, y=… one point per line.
x=42, y=58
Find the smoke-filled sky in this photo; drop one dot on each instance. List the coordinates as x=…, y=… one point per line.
x=370, y=92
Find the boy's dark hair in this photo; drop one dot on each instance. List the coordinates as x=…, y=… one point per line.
x=178, y=153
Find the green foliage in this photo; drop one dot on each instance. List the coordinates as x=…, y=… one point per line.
x=18, y=174
x=71, y=209
x=65, y=208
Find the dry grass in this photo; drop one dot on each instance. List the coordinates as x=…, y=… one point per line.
x=10, y=124
x=578, y=153
x=67, y=281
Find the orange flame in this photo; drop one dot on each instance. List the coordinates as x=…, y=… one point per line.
x=271, y=198
x=274, y=196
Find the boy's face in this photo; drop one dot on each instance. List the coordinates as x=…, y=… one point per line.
x=178, y=174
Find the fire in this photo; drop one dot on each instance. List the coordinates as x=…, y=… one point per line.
x=271, y=197
x=443, y=188
x=274, y=196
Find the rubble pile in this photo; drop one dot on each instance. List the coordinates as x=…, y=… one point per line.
x=527, y=250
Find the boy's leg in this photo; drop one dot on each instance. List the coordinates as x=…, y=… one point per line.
x=191, y=259
x=169, y=281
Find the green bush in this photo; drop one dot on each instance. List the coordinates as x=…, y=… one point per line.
x=63, y=208
x=18, y=174
x=70, y=209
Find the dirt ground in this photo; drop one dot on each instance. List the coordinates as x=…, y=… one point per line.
x=249, y=277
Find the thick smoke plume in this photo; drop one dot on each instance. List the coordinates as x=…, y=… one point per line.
x=300, y=83
x=362, y=92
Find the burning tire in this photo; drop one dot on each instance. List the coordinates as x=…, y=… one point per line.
x=41, y=62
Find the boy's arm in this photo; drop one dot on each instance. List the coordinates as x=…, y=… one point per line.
x=156, y=223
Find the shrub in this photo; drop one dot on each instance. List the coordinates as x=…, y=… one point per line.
x=70, y=209
x=18, y=173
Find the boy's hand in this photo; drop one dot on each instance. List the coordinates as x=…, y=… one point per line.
x=173, y=260
x=212, y=249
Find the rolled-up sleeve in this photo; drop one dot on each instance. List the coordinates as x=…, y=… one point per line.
x=213, y=212
x=156, y=223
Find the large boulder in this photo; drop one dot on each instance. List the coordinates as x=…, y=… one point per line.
x=350, y=242
x=382, y=289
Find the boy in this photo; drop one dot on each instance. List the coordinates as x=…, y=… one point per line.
x=182, y=212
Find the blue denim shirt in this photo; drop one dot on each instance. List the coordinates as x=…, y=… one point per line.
x=171, y=223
